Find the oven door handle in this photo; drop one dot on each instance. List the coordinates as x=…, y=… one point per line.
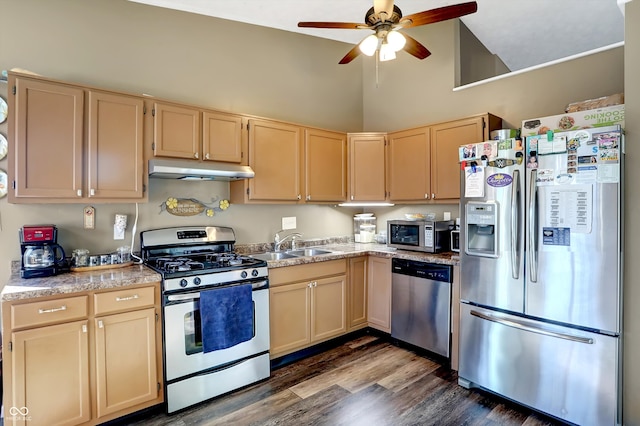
x=196, y=295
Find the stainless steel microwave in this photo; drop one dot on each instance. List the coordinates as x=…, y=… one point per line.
x=420, y=235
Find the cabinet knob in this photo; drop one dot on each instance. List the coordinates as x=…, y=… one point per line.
x=433, y=196
x=308, y=197
x=92, y=192
x=100, y=324
x=352, y=198
x=299, y=197
x=79, y=192
x=426, y=196
x=206, y=156
x=195, y=155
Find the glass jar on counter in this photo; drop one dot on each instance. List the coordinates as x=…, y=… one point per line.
x=80, y=258
x=125, y=254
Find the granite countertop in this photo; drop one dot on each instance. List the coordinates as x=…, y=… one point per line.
x=346, y=250
x=18, y=288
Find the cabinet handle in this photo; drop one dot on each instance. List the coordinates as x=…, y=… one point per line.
x=299, y=197
x=352, y=198
x=92, y=192
x=100, y=324
x=84, y=328
x=308, y=197
x=195, y=155
x=433, y=196
x=426, y=196
x=79, y=192
x=206, y=156
x=124, y=299
x=48, y=311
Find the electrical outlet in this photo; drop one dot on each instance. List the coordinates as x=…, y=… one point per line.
x=289, y=222
x=447, y=215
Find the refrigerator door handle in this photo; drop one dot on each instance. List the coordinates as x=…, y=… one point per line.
x=525, y=327
x=515, y=225
x=533, y=235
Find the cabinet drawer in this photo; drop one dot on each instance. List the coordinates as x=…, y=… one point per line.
x=125, y=299
x=49, y=311
x=309, y=271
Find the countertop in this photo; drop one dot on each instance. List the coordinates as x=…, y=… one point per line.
x=18, y=288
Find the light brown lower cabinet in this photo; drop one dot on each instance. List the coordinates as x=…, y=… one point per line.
x=379, y=293
x=83, y=359
x=357, y=300
x=307, y=305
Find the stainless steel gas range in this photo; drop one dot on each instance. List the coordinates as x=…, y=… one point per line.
x=216, y=312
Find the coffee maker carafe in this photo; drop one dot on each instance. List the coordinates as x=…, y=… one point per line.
x=41, y=255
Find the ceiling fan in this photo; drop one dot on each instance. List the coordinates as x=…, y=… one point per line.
x=386, y=19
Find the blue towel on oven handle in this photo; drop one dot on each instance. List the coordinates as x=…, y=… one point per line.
x=226, y=316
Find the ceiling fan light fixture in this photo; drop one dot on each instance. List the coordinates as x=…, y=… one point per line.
x=396, y=40
x=369, y=45
x=386, y=52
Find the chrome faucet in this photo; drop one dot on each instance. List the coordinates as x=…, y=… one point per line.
x=277, y=241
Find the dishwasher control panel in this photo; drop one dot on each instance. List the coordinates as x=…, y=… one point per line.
x=429, y=271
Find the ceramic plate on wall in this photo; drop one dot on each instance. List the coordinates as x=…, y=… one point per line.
x=4, y=110
x=4, y=146
x=3, y=183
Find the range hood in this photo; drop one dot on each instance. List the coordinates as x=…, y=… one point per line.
x=195, y=170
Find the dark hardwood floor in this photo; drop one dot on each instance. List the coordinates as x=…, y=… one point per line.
x=366, y=381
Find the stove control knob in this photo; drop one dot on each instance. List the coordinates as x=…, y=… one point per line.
x=254, y=273
x=183, y=283
x=243, y=274
x=197, y=281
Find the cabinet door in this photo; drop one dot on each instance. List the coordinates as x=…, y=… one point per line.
x=51, y=374
x=445, y=140
x=328, y=308
x=114, y=157
x=325, y=160
x=289, y=316
x=221, y=137
x=48, y=135
x=125, y=360
x=357, y=296
x=379, y=293
x=367, y=167
x=275, y=154
x=409, y=165
x=176, y=131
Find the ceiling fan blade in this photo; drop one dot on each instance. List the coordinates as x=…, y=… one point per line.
x=353, y=53
x=385, y=6
x=413, y=47
x=339, y=25
x=438, y=15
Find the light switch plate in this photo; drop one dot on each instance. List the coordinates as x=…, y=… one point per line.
x=289, y=222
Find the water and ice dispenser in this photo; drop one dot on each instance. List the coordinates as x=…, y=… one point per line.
x=481, y=220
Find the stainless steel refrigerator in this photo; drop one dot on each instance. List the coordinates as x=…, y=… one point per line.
x=541, y=272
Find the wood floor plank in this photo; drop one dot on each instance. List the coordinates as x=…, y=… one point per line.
x=367, y=381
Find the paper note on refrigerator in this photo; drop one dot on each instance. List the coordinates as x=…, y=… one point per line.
x=570, y=207
x=474, y=181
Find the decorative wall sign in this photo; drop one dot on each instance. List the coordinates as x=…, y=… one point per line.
x=193, y=207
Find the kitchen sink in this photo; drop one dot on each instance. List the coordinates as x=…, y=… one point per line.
x=274, y=255
x=309, y=252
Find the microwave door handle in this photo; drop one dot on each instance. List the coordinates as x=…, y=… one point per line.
x=515, y=225
x=533, y=235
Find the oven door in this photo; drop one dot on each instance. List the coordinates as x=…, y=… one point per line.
x=183, y=338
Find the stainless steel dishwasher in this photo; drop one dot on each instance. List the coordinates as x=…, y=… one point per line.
x=421, y=304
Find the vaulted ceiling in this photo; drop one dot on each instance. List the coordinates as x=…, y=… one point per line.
x=522, y=33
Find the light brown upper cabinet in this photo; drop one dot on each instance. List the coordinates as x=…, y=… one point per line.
x=176, y=131
x=446, y=138
x=71, y=143
x=293, y=164
x=410, y=165
x=423, y=162
x=221, y=137
x=187, y=132
x=367, y=152
x=325, y=161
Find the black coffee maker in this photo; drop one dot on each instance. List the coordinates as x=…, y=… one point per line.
x=41, y=255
